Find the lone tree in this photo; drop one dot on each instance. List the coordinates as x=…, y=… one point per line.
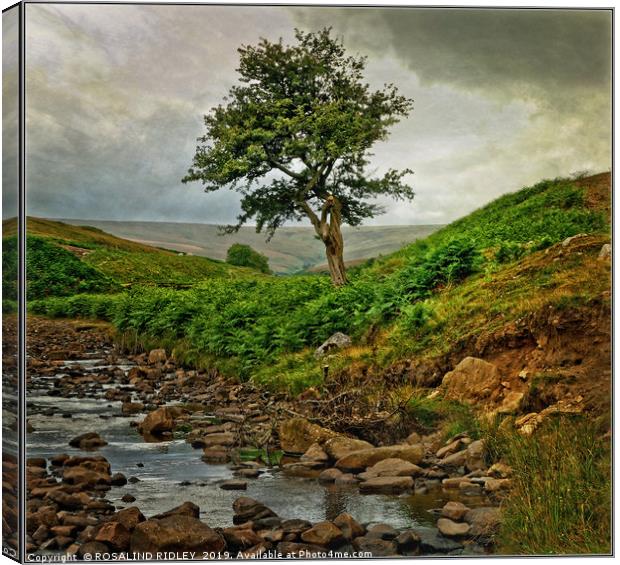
x=294, y=139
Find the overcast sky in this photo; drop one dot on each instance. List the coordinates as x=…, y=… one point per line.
x=116, y=95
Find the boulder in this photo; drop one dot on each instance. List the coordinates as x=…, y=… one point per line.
x=364, y=458
x=185, y=509
x=376, y=547
x=484, y=522
x=129, y=517
x=471, y=380
x=324, y=534
x=247, y=509
x=333, y=343
x=349, y=527
x=175, y=533
x=432, y=542
x=475, y=455
x=407, y=542
x=89, y=440
x=330, y=475
x=454, y=460
x=115, y=535
x=298, y=434
x=128, y=408
x=157, y=422
x=454, y=510
x=393, y=467
x=315, y=454
x=340, y=446
x=238, y=539
x=85, y=477
x=382, y=531
x=452, y=529
x=118, y=480
x=157, y=356
x=386, y=485
x=226, y=439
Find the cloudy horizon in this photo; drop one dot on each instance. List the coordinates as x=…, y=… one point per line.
x=116, y=96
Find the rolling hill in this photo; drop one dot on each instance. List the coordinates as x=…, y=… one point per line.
x=292, y=249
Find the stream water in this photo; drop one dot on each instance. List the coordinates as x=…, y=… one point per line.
x=171, y=472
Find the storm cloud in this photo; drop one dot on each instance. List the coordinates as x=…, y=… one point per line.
x=116, y=95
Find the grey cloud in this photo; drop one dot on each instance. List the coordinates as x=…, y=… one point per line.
x=116, y=95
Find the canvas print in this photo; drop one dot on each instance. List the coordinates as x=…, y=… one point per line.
x=306, y=282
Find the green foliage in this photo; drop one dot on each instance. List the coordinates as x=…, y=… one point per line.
x=305, y=113
x=50, y=271
x=246, y=323
x=242, y=255
x=560, y=501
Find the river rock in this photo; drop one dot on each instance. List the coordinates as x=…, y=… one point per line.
x=157, y=356
x=225, y=439
x=454, y=460
x=234, y=485
x=376, y=547
x=175, y=533
x=157, y=422
x=452, y=447
x=128, y=498
x=315, y=454
x=386, y=485
x=432, y=542
x=333, y=343
x=324, y=534
x=89, y=440
x=407, y=541
x=452, y=529
x=394, y=467
x=471, y=380
x=495, y=485
x=340, y=446
x=484, y=522
x=364, y=458
x=382, y=531
x=115, y=535
x=295, y=527
x=330, y=475
x=349, y=527
x=185, y=509
x=454, y=510
x=247, y=509
x=215, y=455
x=475, y=456
x=238, y=539
x=85, y=477
x=129, y=408
x=118, y=480
x=298, y=434
x=129, y=517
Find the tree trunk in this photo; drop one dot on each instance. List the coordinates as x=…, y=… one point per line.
x=334, y=245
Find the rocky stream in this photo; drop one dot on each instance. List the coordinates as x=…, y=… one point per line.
x=134, y=455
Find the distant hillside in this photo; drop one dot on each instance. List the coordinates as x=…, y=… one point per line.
x=291, y=249
x=64, y=259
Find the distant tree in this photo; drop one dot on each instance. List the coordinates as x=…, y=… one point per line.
x=294, y=139
x=244, y=256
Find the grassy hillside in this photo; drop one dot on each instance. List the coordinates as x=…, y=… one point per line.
x=292, y=249
x=64, y=260
x=432, y=292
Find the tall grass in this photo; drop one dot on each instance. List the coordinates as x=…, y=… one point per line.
x=560, y=501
